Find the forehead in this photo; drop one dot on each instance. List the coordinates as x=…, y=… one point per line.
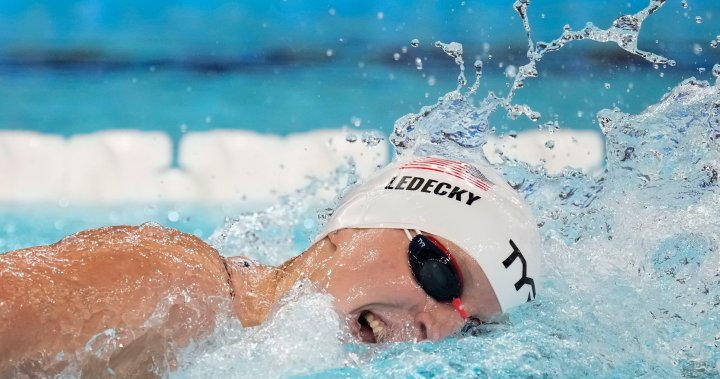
x=478, y=295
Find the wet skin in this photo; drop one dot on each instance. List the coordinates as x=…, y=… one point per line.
x=157, y=289
x=368, y=271
x=154, y=287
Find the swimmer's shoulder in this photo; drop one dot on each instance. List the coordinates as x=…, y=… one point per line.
x=56, y=297
x=151, y=241
x=146, y=238
x=148, y=249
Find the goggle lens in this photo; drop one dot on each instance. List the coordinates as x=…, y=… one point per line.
x=436, y=271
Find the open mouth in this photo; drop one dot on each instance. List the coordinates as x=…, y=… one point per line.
x=372, y=328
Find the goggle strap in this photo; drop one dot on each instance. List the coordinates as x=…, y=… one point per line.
x=460, y=308
x=409, y=236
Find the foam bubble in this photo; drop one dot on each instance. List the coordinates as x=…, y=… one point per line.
x=303, y=320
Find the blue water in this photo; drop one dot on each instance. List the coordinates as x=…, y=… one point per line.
x=247, y=28
x=631, y=256
x=81, y=66
x=631, y=260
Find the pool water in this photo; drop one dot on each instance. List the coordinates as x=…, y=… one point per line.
x=631, y=257
x=631, y=260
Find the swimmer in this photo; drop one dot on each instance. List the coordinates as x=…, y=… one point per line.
x=422, y=248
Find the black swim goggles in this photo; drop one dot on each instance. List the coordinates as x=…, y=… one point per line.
x=436, y=271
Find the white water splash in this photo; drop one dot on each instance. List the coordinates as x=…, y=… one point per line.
x=303, y=320
x=632, y=286
x=455, y=118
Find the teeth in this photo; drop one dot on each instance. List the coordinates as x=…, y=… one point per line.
x=376, y=325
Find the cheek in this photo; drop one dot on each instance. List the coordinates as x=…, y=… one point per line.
x=380, y=287
x=370, y=277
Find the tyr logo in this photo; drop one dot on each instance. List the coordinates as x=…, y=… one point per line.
x=524, y=279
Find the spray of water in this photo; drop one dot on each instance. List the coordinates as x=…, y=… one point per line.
x=455, y=118
x=631, y=256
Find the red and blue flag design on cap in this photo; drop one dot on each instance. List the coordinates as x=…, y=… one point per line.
x=460, y=170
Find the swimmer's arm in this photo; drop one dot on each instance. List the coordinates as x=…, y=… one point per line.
x=139, y=289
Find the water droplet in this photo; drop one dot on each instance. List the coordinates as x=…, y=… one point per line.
x=701, y=69
x=697, y=49
x=698, y=20
x=183, y=128
x=542, y=15
x=356, y=121
x=607, y=85
x=418, y=63
x=403, y=49
x=453, y=49
x=684, y=4
x=173, y=216
x=415, y=42
x=351, y=137
x=329, y=52
x=662, y=74
x=550, y=144
x=551, y=126
x=716, y=71
x=371, y=139
x=208, y=119
x=714, y=43
x=396, y=56
x=380, y=15
x=431, y=80
x=332, y=11
x=152, y=69
x=510, y=71
x=579, y=113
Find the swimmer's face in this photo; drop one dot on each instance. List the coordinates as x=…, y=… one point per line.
x=377, y=294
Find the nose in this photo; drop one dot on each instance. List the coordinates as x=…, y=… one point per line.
x=436, y=322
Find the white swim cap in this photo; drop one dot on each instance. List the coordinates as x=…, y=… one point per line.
x=472, y=206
